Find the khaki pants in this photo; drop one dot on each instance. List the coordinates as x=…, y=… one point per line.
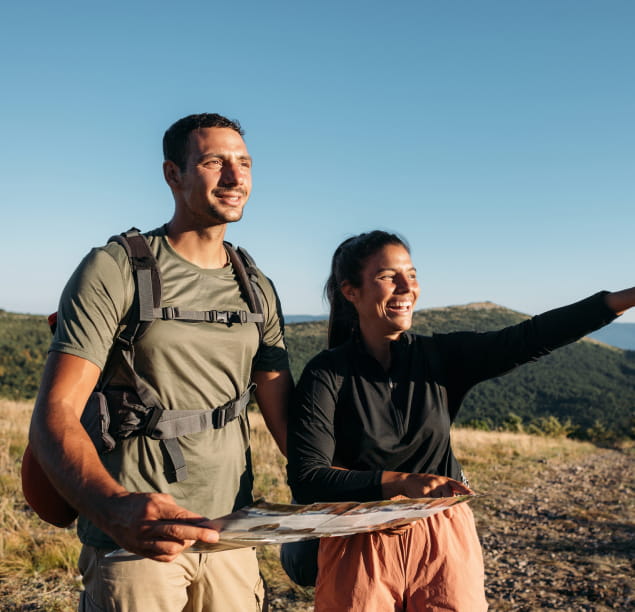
x=224, y=581
x=436, y=564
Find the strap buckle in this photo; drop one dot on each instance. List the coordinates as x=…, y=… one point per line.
x=218, y=316
x=221, y=316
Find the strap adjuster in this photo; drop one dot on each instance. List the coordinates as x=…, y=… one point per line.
x=168, y=313
x=142, y=262
x=151, y=423
x=219, y=417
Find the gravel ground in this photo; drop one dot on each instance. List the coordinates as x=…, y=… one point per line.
x=564, y=543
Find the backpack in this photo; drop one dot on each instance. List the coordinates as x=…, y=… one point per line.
x=114, y=414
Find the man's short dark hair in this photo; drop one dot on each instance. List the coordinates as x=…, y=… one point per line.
x=175, y=138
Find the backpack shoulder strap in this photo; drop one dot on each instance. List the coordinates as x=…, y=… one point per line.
x=247, y=275
x=147, y=286
x=147, y=279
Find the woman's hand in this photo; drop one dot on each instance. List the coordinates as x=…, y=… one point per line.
x=620, y=301
x=420, y=485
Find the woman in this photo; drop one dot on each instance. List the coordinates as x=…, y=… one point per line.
x=372, y=417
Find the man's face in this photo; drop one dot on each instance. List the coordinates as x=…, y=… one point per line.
x=216, y=182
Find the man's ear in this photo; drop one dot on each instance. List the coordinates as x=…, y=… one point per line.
x=348, y=291
x=171, y=173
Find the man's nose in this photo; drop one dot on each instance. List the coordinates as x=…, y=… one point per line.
x=231, y=174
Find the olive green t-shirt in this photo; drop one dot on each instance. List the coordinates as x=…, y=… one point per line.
x=190, y=365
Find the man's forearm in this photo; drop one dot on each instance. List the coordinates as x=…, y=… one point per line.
x=69, y=459
x=59, y=441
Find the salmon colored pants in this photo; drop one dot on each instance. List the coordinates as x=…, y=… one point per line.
x=434, y=564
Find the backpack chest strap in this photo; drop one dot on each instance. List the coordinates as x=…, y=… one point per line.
x=174, y=313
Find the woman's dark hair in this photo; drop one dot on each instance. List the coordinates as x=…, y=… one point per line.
x=347, y=265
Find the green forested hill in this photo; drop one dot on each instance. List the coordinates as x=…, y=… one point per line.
x=586, y=382
x=24, y=340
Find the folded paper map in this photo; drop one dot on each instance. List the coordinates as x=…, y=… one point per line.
x=267, y=523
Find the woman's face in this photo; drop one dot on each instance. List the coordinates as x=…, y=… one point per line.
x=388, y=292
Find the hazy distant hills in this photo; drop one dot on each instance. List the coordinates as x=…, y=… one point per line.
x=621, y=335
x=303, y=318
x=587, y=382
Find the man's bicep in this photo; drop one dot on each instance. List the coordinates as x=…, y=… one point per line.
x=67, y=382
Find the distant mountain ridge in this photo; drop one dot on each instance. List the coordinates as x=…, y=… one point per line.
x=620, y=335
x=301, y=318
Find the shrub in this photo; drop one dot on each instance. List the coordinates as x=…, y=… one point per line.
x=551, y=426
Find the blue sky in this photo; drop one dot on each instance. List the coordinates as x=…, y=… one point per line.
x=498, y=137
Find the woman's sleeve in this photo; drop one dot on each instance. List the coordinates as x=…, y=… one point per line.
x=311, y=444
x=474, y=357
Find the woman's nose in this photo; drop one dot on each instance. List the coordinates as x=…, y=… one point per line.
x=404, y=283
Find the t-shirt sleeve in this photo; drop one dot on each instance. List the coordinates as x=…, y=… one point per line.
x=93, y=303
x=272, y=355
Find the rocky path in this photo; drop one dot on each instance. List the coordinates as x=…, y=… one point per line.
x=566, y=542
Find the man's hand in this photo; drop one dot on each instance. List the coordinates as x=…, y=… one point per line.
x=152, y=525
x=420, y=485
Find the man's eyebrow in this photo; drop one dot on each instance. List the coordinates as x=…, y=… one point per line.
x=212, y=154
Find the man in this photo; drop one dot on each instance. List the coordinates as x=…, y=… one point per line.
x=127, y=498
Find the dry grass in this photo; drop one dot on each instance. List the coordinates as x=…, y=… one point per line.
x=270, y=467
x=37, y=562
x=488, y=457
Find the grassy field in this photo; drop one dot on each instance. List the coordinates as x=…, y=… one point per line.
x=38, y=562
